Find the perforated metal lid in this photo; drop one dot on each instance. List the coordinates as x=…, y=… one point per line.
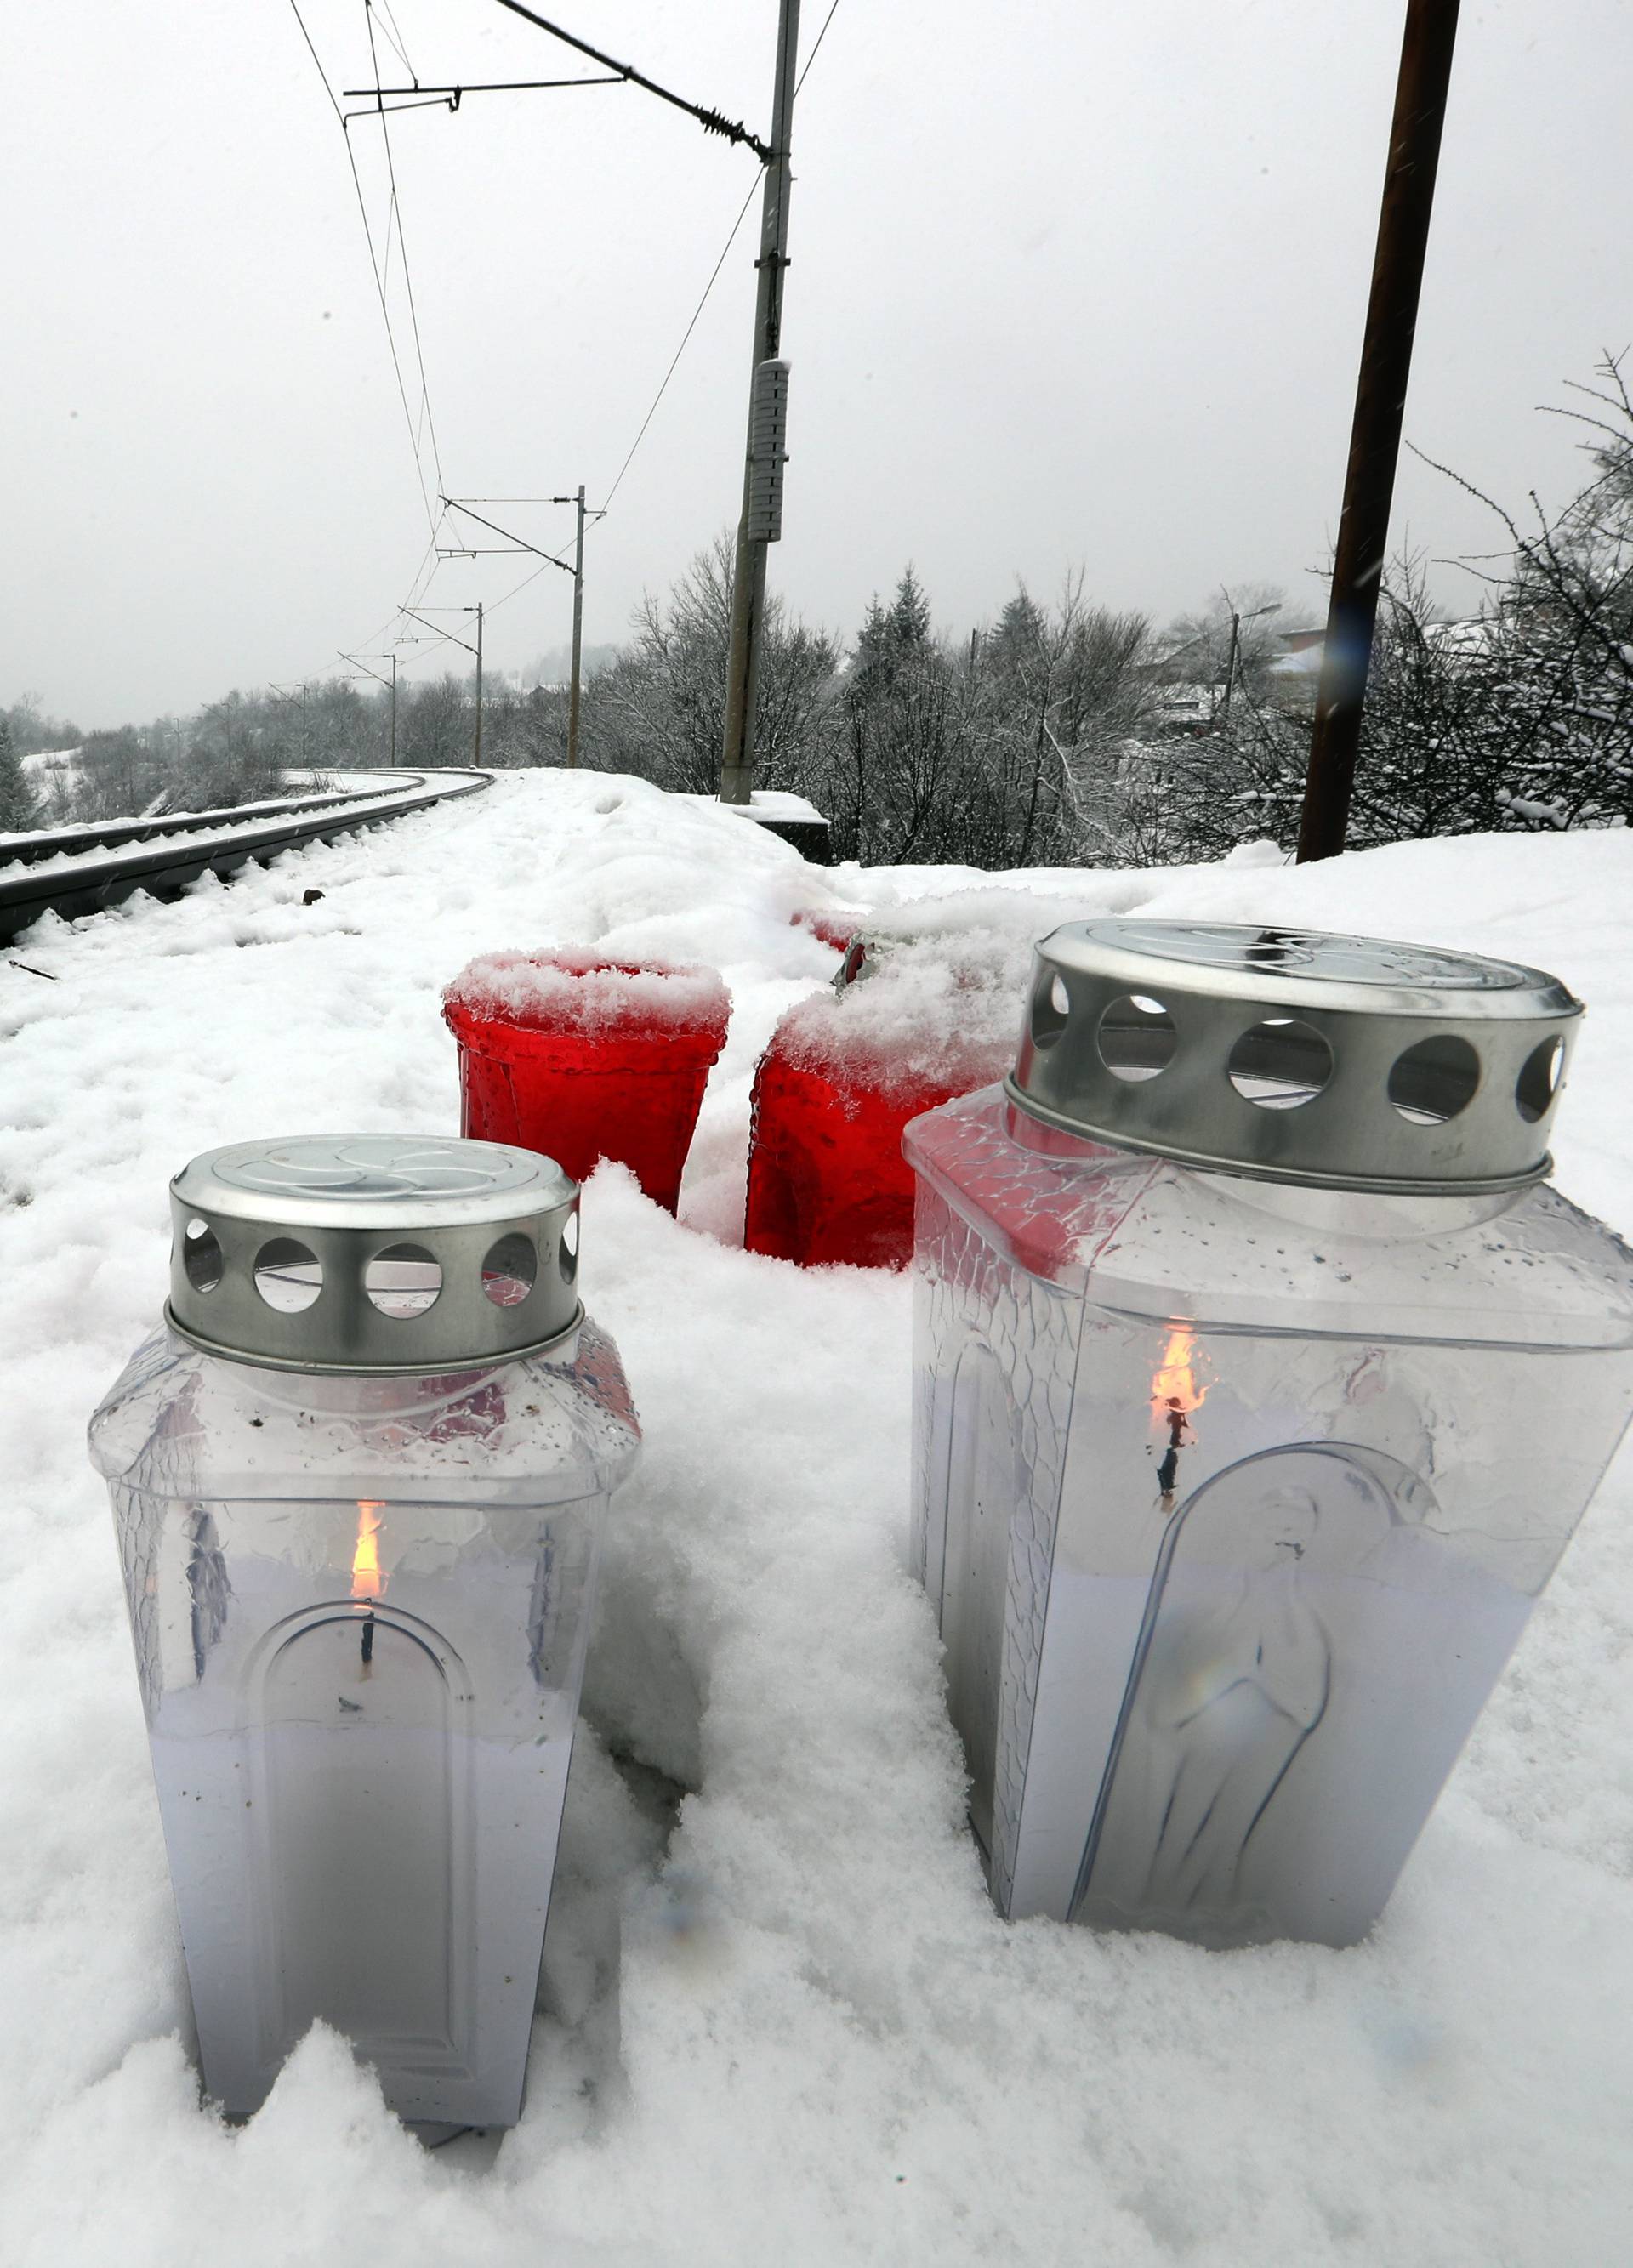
x=385, y=1252
x=1342, y=1062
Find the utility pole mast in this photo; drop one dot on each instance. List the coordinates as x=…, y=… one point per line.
x=577, y=628
x=303, y=688
x=477, y=758
x=577, y=637
x=1237, y=620
x=362, y=662
x=748, y=598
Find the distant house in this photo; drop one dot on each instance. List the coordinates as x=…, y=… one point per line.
x=1299, y=660
x=1296, y=669
x=1182, y=712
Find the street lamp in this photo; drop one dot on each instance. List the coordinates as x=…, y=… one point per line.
x=1237, y=620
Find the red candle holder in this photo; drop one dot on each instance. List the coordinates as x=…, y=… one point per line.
x=830, y=926
x=844, y=1074
x=582, y=1058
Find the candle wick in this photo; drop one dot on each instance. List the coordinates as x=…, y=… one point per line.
x=368, y=1643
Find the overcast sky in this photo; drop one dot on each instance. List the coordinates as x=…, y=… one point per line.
x=1071, y=284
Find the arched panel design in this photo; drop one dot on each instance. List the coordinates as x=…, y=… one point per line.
x=365, y=1861
x=984, y=1490
x=1294, y=1704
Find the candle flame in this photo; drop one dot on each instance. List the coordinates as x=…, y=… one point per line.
x=1174, y=1383
x=368, y=1582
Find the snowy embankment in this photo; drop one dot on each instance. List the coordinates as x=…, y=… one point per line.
x=784, y=2028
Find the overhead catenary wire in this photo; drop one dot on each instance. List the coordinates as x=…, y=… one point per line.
x=431, y=560
x=533, y=575
x=389, y=26
x=711, y=120
x=449, y=97
x=713, y=278
x=379, y=280
x=426, y=572
x=454, y=504
x=407, y=280
x=685, y=336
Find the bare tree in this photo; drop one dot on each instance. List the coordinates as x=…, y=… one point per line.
x=659, y=709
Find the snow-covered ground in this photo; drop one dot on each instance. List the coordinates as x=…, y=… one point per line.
x=784, y=2028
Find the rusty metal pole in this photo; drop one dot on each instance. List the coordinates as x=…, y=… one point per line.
x=1375, y=435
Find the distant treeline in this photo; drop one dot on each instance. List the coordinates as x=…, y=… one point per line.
x=1058, y=734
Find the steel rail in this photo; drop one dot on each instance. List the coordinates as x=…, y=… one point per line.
x=212, y=842
x=38, y=843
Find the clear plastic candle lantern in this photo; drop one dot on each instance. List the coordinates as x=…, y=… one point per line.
x=1261, y=1383
x=358, y=1476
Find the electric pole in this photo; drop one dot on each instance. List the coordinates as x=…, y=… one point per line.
x=577, y=636
x=447, y=637
x=576, y=570
x=578, y=626
x=303, y=688
x=362, y=662
x=1375, y=434
x=476, y=759
x=1237, y=620
x=767, y=403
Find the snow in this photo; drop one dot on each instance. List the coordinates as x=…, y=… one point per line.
x=580, y=992
x=774, y=803
x=937, y=1001
x=236, y=818
x=784, y=2027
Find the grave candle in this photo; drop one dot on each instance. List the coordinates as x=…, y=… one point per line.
x=1262, y=1381
x=358, y=1476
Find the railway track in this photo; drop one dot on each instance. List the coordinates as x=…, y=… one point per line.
x=84, y=870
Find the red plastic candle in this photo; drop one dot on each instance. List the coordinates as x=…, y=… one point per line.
x=583, y=1058
x=842, y=1075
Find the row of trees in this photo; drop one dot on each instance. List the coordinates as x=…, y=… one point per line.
x=1074, y=733
x=915, y=747
x=235, y=751
x=1519, y=717
x=1062, y=733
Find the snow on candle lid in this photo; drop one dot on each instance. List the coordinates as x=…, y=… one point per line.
x=579, y=991
x=934, y=1008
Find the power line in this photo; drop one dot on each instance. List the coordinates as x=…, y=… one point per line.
x=388, y=25
x=449, y=97
x=711, y=120
x=709, y=286
x=432, y=561
x=407, y=280
x=816, y=44
x=374, y=268
x=516, y=541
x=681, y=349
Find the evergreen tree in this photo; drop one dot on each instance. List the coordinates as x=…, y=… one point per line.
x=19, y=805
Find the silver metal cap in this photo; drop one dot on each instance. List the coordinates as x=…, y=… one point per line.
x=1339, y=1062
x=384, y=1253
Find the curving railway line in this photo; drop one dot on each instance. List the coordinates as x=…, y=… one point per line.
x=84, y=870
